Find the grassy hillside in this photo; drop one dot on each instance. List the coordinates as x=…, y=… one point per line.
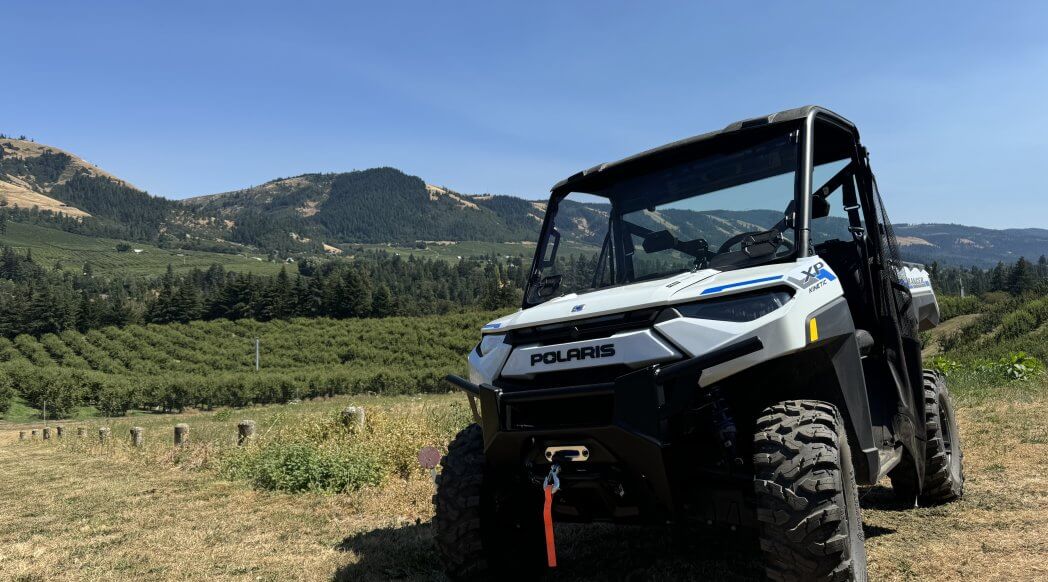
x=992, y=339
x=73, y=250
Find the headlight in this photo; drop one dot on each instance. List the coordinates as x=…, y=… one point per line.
x=741, y=307
x=490, y=342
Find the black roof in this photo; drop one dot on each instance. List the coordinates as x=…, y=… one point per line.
x=643, y=158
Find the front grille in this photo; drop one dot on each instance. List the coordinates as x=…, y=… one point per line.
x=584, y=329
x=597, y=375
x=579, y=412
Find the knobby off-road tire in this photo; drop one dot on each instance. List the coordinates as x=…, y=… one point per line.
x=807, y=502
x=944, y=460
x=482, y=531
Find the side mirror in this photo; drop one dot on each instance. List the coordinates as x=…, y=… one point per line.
x=549, y=285
x=820, y=207
x=659, y=241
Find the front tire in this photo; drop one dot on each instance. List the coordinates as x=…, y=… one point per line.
x=944, y=459
x=807, y=500
x=483, y=529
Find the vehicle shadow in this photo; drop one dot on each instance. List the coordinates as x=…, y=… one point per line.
x=597, y=553
x=882, y=498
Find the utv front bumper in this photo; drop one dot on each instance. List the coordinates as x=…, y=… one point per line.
x=626, y=425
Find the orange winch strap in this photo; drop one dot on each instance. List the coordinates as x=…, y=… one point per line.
x=547, y=517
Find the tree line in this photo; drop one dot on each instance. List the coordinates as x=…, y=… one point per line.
x=37, y=300
x=1017, y=278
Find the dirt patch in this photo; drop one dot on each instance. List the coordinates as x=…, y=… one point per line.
x=907, y=241
x=436, y=192
x=21, y=197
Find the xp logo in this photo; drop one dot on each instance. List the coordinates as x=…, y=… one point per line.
x=572, y=354
x=817, y=275
x=578, y=308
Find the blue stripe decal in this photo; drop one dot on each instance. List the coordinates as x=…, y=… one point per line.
x=739, y=284
x=825, y=274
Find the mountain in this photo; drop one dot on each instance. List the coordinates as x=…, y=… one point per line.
x=52, y=186
x=969, y=245
x=384, y=205
x=313, y=213
x=369, y=206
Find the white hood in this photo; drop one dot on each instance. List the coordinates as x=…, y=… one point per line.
x=668, y=290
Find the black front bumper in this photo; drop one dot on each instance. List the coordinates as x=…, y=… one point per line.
x=628, y=425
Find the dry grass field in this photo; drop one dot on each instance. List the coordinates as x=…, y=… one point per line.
x=76, y=511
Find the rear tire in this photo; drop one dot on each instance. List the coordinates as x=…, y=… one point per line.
x=482, y=530
x=807, y=500
x=944, y=459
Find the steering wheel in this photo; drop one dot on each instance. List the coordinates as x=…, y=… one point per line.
x=741, y=237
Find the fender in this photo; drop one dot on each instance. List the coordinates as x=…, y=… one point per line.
x=835, y=329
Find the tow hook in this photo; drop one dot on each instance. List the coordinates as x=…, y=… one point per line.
x=550, y=486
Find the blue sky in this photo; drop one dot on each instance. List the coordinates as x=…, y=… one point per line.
x=187, y=98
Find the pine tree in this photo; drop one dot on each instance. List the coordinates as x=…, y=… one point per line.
x=1019, y=279
x=382, y=305
x=356, y=294
x=998, y=278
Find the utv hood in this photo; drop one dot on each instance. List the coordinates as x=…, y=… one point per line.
x=604, y=301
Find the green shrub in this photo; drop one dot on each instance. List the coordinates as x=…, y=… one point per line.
x=1017, y=323
x=994, y=297
x=1019, y=366
x=116, y=397
x=60, y=391
x=952, y=306
x=304, y=466
x=944, y=364
x=1039, y=309
x=7, y=392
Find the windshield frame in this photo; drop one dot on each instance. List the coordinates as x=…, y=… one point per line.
x=802, y=128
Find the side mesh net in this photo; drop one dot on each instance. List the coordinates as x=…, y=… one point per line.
x=893, y=261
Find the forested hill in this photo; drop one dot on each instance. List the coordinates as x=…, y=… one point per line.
x=370, y=206
x=48, y=186
x=957, y=244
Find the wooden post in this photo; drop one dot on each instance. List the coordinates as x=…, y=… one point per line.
x=21, y=435
x=47, y=433
x=181, y=434
x=353, y=418
x=136, y=436
x=33, y=434
x=103, y=435
x=81, y=432
x=245, y=431
x=59, y=431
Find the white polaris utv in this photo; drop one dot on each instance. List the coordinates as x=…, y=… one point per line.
x=718, y=330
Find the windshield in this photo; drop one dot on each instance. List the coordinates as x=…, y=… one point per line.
x=724, y=210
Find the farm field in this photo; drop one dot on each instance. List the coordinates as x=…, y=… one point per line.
x=452, y=250
x=73, y=250
x=203, y=364
x=73, y=510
